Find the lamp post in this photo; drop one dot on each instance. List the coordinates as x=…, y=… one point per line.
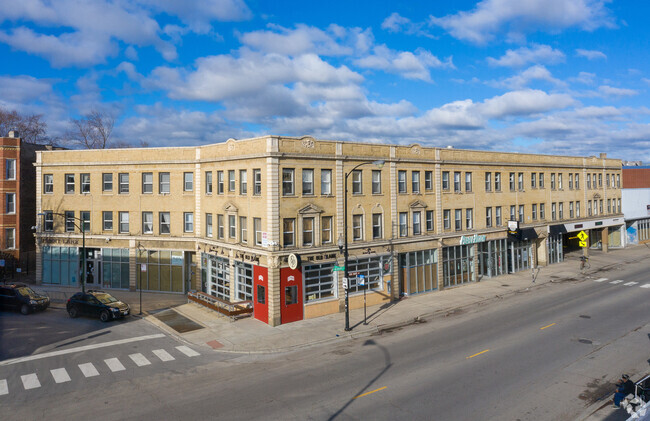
x=83, y=243
x=140, y=250
x=379, y=164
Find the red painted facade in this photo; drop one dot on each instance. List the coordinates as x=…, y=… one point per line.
x=261, y=293
x=636, y=178
x=291, y=295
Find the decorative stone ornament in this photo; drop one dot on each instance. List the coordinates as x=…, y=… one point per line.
x=293, y=260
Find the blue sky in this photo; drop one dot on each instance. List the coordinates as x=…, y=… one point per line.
x=566, y=77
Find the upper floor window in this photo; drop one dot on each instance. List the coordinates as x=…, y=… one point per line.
x=308, y=231
x=559, y=181
x=10, y=169
x=220, y=227
x=497, y=216
x=243, y=229
x=446, y=219
x=468, y=181
x=307, y=182
x=107, y=221
x=243, y=182
x=165, y=222
x=220, y=186
x=376, y=181
x=417, y=223
x=600, y=180
x=10, y=238
x=513, y=212
x=188, y=181
x=429, y=220
x=403, y=224
x=428, y=180
x=10, y=203
x=288, y=232
x=377, y=219
x=488, y=181
x=231, y=180
x=445, y=180
x=457, y=181
x=326, y=182
x=257, y=182
x=208, y=225
x=552, y=181
x=147, y=222
x=533, y=180
x=497, y=181
x=188, y=225
x=163, y=183
x=534, y=211
x=521, y=213
x=541, y=180
x=588, y=181
x=469, y=219
x=415, y=181
x=512, y=181
x=287, y=181
x=357, y=227
x=257, y=227
x=607, y=180
x=458, y=219
x=618, y=181
x=520, y=181
x=542, y=211
x=488, y=217
x=147, y=182
x=357, y=182
x=49, y=221
x=570, y=181
x=208, y=182
x=123, y=179
x=232, y=227
x=401, y=181
x=107, y=182
x=85, y=183
x=326, y=230
x=124, y=222
x=577, y=181
x=48, y=183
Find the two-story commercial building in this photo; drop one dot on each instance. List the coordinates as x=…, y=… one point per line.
x=262, y=219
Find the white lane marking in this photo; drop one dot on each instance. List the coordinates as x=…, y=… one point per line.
x=645, y=286
x=163, y=355
x=114, y=364
x=4, y=389
x=30, y=381
x=88, y=370
x=616, y=282
x=80, y=348
x=600, y=280
x=139, y=359
x=627, y=284
x=187, y=351
x=60, y=375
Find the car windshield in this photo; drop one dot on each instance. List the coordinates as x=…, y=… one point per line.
x=106, y=298
x=27, y=292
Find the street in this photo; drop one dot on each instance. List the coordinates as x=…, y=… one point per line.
x=544, y=354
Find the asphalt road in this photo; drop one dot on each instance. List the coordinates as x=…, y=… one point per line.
x=545, y=354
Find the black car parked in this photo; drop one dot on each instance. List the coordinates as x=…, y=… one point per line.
x=96, y=303
x=23, y=298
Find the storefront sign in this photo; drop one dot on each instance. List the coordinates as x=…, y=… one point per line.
x=472, y=239
x=265, y=239
x=60, y=240
x=320, y=257
x=293, y=260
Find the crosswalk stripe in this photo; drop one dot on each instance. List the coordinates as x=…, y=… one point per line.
x=645, y=286
x=88, y=370
x=600, y=280
x=616, y=282
x=60, y=375
x=139, y=359
x=30, y=381
x=163, y=355
x=187, y=351
x=627, y=284
x=4, y=389
x=114, y=364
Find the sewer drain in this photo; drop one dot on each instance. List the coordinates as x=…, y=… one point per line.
x=177, y=321
x=585, y=341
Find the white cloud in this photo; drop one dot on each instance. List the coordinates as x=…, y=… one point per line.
x=409, y=65
x=584, y=78
x=23, y=89
x=517, y=17
x=525, y=55
x=396, y=23
x=527, y=102
x=612, y=91
x=199, y=14
x=524, y=78
x=590, y=54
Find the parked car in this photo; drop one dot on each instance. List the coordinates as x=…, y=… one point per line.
x=96, y=303
x=23, y=298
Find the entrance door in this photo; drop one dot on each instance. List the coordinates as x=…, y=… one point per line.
x=290, y=295
x=260, y=293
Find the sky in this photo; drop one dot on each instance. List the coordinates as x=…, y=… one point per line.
x=567, y=77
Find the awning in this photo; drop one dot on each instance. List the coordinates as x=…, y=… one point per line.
x=557, y=229
x=528, y=234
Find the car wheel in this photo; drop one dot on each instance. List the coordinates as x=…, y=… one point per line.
x=104, y=316
x=72, y=312
x=24, y=309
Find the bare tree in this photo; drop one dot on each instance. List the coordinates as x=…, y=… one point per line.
x=93, y=130
x=31, y=128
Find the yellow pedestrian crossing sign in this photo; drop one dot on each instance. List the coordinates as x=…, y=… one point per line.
x=583, y=237
x=582, y=243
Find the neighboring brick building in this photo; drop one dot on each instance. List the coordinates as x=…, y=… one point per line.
x=262, y=219
x=636, y=203
x=18, y=196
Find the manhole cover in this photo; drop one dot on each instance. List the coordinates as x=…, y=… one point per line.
x=176, y=321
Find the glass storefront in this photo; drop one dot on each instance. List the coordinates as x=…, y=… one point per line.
x=115, y=268
x=243, y=281
x=61, y=265
x=614, y=237
x=493, y=257
x=458, y=265
x=319, y=281
x=217, y=276
x=643, y=230
x=520, y=255
x=163, y=270
x=554, y=249
x=418, y=271
x=370, y=268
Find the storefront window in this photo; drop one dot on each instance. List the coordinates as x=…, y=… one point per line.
x=418, y=271
x=319, y=281
x=60, y=265
x=493, y=257
x=115, y=268
x=244, y=281
x=218, y=277
x=163, y=270
x=458, y=265
x=370, y=268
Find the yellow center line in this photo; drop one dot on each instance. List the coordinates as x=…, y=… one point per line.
x=479, y=353
x=542, y=328
x=368, y=393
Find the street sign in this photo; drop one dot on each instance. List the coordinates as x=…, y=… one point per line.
x=345, y=283
x=361, y=280
x=582, y=243
x=338, y=268
x=582, y=236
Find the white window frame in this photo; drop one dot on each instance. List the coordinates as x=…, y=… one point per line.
x=307, y=181
x=123, y=222
x=188, y=181
x=123, y=181
x=10, y=169
x=188, y=222
x=10, y=203
x=164, y=183
x=48, y=183
x=326, y=182
x=164, y=223
x=147, y=222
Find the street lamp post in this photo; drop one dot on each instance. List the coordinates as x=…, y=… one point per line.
x=378, y=163
x=83, y=243
x=140, y=249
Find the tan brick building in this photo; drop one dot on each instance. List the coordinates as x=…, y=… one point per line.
x=226, y=218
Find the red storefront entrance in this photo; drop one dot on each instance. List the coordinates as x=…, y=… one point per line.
x=260, y=293
x=290, y=295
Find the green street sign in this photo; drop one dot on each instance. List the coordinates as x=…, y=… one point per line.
x=339, y=268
